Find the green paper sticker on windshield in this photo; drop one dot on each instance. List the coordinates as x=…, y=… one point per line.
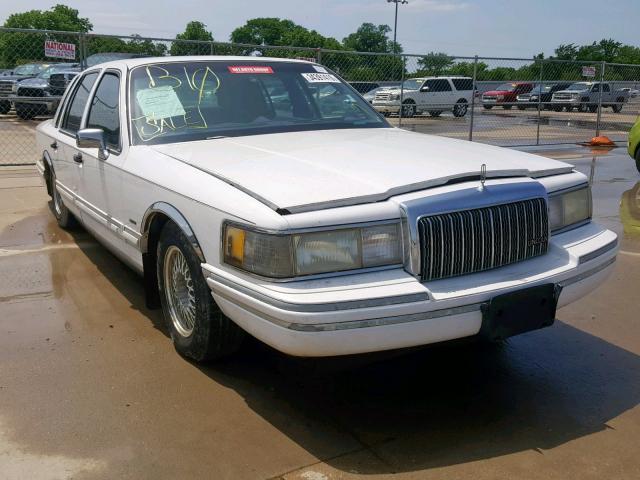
x=159, y=102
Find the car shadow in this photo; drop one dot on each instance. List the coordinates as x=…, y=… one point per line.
x=430, y=407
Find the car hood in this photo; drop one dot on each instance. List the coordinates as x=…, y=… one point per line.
x=571, y=91
x=34, y=82
x=306, y=171
x=16, y=78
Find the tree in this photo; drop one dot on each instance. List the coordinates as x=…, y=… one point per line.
x=435, y=63
x=194, y=31
x=21, y=47
x=370, y=38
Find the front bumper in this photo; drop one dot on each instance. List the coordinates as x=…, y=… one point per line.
x=387, y=107
x=390, y=309
x=51, y=103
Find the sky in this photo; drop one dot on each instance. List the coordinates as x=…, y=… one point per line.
x=501, y=28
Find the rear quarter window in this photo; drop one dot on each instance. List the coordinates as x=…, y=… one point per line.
x=463, y=83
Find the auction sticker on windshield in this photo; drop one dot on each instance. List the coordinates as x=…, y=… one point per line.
x=320, y=78
x=250, y=69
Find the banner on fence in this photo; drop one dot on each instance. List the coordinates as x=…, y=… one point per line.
x=588, y=71
x=59, y=50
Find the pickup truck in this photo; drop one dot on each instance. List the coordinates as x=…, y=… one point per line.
x=428, y=94
x=585, y=96
x=41, y=95
x=505, y=95
x=8, y=82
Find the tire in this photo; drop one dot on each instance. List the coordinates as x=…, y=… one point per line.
x=408, y=108
x=5, y=107
x=617, y=107
x=593, y=108
x=558, y=108
x=198, y=329
x=435, y=113
x=62, y=214
x=460, y=108
x=570, y=109
x=521, y=107
x=24, y=112
x=487, y=107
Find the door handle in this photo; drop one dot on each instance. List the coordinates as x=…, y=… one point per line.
x=54, y=145
x=77, y=158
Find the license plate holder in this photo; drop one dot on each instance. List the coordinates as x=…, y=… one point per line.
x=520, y=311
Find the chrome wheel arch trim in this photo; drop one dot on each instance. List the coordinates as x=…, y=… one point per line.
x=174, y=215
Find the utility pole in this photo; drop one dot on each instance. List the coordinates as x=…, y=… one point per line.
x=395, y=23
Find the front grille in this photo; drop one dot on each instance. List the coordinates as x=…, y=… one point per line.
x=524, y=98
x=490, y=98
x=30, y=92
x=470, y=241
x=5, y=86
x=562, y=96
x=382, y=96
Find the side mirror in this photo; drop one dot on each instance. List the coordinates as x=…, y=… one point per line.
x=424, y=89
x=93, y=138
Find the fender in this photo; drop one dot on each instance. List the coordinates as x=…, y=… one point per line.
x=177, y=217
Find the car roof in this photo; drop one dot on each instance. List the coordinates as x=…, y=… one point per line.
x=137, y=62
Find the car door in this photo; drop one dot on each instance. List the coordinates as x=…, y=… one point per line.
x=438, y=93
x=66, y=169
x=100, y=179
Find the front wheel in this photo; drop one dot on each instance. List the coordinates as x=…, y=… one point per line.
x=460, y=108
x=63, y=216
x=5, y=107
x=198, y=329
x=408, y=109
x=25, y=112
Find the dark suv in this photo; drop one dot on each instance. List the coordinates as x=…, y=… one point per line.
x=540, y=94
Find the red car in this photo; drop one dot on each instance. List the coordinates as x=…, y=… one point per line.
x=505, y=95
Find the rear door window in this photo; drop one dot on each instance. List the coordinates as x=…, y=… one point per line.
x=439, y=85
x=463, y=83
x=73, y=116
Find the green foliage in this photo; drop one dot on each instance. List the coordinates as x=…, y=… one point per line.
x=133, y=45
x=434, y=64
x=18, y=48
x=194, y=31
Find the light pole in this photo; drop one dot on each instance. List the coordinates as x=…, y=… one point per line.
x=395, y=22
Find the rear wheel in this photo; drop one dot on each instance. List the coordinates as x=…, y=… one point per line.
x=460, y=108
x=198, y=329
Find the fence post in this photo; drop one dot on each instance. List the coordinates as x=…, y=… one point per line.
x=600, y=99
x=82, y=55
x=319, y=56
x=401, y=90
x=539, y=101
x=473, y=97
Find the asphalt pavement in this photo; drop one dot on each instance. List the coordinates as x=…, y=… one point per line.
x=91, y=388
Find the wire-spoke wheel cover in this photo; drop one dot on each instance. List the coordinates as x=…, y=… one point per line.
x=179, y=291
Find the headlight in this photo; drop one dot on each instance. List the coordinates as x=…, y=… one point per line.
x=566, y=209
x=395, y=96
x=298, y=254
x=575, y=95
x=500, y=97
x=14, y=88
x=534, y=97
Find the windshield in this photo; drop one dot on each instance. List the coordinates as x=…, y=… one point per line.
x=186, y=101
x=46, y=74
x=541, y=89
x=506, y=87
x=412, y=84
x=579, y=86
x=29, y=69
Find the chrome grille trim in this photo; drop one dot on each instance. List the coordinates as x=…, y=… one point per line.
x=492, y=241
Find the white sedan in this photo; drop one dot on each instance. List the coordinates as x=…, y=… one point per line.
x=265, y=196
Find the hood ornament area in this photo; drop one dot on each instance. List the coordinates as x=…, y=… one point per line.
x=483, y=176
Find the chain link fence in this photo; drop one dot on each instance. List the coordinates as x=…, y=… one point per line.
x=501, y=101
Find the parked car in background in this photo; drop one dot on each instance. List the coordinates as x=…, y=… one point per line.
x=540, y=94
x=585, y=96
x=41, y=94
x=318, y=229
x=370, y=95
x=426, y=94
x=633, y=92
x=505, y=95
x=633, y=143
x=8, y=82
x=364, y=87
x=5, y=72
